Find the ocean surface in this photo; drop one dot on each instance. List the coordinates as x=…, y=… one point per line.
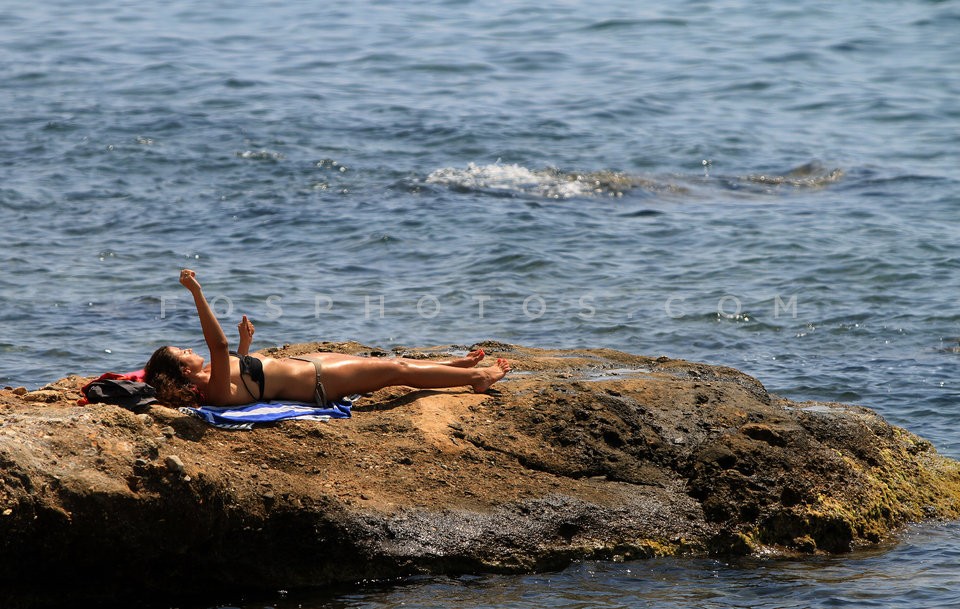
x=770, y=186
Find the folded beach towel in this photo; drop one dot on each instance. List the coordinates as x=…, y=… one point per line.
x=245, y=417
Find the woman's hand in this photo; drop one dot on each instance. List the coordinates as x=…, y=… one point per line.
x=188, y=279
x=246, y=329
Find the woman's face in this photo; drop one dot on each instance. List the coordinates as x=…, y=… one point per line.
x=188, y=359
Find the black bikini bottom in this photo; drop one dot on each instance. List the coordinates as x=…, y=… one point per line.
x=319, y=393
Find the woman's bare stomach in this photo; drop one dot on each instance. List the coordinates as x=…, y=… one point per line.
x=293, y=379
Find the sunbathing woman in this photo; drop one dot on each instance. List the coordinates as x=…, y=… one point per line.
x=181, y=379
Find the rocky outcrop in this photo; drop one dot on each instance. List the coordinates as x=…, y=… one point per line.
x=577, y=454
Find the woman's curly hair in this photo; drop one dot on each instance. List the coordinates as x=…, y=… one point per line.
x=164, y=373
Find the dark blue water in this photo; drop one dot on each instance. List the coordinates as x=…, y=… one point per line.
x=772, y=187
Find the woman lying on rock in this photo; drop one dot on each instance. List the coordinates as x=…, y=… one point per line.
x=231, y=379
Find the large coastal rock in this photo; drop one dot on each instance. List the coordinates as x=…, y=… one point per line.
x=577, y=454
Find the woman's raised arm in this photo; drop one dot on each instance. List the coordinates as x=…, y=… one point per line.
x=218, y=387
x=246, y=330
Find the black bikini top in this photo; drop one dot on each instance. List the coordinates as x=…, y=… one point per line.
x=252, y=367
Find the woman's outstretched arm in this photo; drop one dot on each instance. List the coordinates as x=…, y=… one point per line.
x=218, y=387
x=246, y=329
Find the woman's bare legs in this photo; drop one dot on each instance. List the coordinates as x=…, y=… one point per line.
x=468, y=361
x=346, y=376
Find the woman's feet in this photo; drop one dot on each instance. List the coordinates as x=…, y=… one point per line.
x=488, y=375
x=468, y=361
x=491, y=374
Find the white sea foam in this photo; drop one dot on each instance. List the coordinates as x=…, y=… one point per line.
x=512, y=179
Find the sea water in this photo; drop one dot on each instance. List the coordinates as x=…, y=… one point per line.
x=770, y=186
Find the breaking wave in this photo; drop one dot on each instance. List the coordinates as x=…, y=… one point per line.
x=549, y=183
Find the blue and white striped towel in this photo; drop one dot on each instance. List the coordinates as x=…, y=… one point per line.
x=245, y=417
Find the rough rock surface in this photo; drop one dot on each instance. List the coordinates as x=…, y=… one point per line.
x=577, y=454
